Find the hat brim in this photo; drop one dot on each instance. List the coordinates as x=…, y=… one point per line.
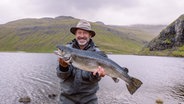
x=74, y=29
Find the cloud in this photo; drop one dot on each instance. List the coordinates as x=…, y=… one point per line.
x=117, y=12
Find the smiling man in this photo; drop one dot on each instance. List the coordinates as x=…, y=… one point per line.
x=79, y=86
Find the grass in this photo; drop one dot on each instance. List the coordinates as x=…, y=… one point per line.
x=179, y=52
x=176, y=52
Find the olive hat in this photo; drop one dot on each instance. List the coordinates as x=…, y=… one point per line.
x=84, y=25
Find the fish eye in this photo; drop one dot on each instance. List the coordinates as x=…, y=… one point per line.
x=63, y=52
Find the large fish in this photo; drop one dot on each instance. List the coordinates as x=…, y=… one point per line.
x=90, y=61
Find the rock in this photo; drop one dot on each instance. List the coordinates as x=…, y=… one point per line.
x=170, y=37
x=25, y=100
x=159, y=101
x=100, y=23
x=179, y=27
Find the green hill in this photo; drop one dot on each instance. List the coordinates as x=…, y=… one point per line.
x=42, y=35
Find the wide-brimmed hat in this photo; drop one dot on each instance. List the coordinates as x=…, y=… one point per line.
x=84, y=25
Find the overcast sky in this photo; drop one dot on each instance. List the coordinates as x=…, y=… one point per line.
x=114, y=12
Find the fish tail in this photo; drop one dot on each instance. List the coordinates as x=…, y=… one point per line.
x=134, y=85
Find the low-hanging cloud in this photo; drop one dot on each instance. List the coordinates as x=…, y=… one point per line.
x=117, y=12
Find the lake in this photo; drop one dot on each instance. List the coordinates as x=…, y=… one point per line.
x=34, y=75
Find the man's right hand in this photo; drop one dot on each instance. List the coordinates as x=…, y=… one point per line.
x=62, y=62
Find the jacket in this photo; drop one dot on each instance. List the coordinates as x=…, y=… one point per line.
x=78, y=86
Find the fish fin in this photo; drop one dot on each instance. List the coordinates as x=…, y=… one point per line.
x=125, y=69
x=116, y=80
x=134, y=85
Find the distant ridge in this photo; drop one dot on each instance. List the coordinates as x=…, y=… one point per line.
x=65, y=17
x=43, y=34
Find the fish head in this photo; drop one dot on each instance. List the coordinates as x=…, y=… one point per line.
x=64, y=52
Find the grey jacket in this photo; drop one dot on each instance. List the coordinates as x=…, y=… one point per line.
x=78, y=86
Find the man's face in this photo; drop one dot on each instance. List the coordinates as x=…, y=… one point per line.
x=82, y=37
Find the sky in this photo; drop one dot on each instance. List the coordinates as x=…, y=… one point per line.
x=110, y=12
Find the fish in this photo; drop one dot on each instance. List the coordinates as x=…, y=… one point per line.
x=90, y=61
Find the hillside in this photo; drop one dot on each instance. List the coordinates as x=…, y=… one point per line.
x=42, y=35
x=169, y=42
x=141, y=31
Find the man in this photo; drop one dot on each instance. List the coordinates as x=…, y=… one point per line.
x=79, y=86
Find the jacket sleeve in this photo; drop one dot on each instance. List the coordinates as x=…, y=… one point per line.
x=94, y=78
x=63, y=72
x=88, y=76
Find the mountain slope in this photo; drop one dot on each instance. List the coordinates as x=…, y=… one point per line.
x=42, y=35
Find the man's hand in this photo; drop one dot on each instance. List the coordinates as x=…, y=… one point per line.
x=62, y=62
x=100, y=71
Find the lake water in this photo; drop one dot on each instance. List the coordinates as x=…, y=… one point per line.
x=34, y=75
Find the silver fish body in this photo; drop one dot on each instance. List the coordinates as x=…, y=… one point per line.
x=90, y=61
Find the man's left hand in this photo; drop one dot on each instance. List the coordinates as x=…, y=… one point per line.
x=100, y=71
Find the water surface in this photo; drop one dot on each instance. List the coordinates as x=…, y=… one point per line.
x=34, y=75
